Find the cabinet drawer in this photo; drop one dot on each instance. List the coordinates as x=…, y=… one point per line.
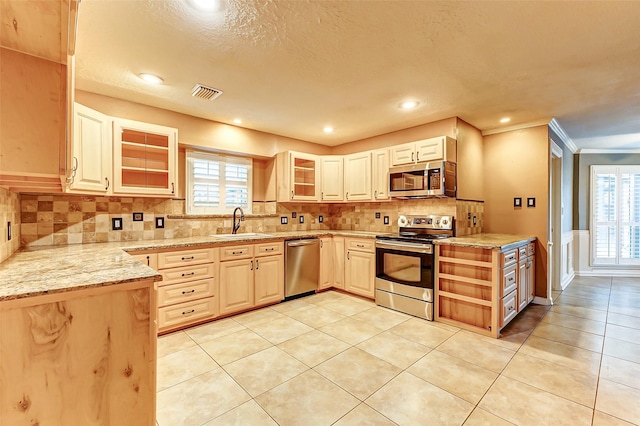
x=266, y=249
x=509, y=257
x=236, y=252
x=522, y=252
x=531, y=249
x=183, y=292
x=186, y=273
x=187, y=313
x=172, y=259
x=509, y=304
x=361, y=245
x=509, y=279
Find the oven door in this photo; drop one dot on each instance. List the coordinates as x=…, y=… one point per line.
x=409, y=264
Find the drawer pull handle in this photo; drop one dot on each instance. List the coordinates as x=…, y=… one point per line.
x=237, y=252
x=251, y=266
x=188, y=258
x=257, y=264
x=360, y=245
x=189, y=292
x=269, y=249
x=188, y=312
x=189, y=274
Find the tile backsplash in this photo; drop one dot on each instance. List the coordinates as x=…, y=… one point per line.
x=74, y=219
x=9, y=212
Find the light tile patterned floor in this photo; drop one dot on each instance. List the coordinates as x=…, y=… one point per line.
x=335, y=359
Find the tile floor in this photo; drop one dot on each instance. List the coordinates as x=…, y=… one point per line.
x=334, y=359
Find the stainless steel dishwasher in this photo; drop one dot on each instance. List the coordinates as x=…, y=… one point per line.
x=302, y=267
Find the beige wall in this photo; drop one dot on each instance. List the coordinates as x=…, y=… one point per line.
x=446, y=127
x=516, y=164
x=470, y=162
x=32, y=113
x=9, y=212
x=199, y=132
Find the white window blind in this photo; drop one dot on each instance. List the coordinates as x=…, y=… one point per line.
x=217, y=184
x=615, y=212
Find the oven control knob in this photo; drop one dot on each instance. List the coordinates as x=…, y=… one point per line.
x=403, y=221
x=445, y=222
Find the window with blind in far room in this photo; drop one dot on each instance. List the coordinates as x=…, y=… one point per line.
x=217, y=184
x=615, y=215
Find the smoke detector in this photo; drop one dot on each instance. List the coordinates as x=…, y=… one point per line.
x=204, y=92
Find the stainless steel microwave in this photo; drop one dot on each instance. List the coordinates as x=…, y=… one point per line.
x=433, y=179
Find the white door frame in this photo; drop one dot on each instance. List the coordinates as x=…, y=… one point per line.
x=554, y=244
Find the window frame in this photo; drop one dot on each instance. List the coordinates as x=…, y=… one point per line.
x=222, y=159
x=618, y=224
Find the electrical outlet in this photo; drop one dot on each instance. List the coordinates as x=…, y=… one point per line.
x=301, y=219
x=284, y=220
x=116, y=224
x=377, y=215
x=386, y=220
x=294, y=215
x=138, y=217
x=320, y=218
x=159, y=222
x=8, y=231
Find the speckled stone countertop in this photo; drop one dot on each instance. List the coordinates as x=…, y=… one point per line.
x=492, y=241
x=47, y=270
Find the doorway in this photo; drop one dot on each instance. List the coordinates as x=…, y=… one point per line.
x=555, y=221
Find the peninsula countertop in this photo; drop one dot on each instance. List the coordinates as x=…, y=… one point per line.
x=55, y=269
x=491, y=241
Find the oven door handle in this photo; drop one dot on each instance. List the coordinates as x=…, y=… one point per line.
x=413, y=248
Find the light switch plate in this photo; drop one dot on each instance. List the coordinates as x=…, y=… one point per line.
x=284, y=220
x=377, y=215
x=531, y=202
x=159, y=222
x=138, y=217
x=116, y=224
x=294, y=215
x=320, y=218
x=8, y=231
x=386, y=220
x=301, y=219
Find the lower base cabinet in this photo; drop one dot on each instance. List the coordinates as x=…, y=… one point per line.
x=339, y=256
x=360, y=267
x=236, y=286
x=326, y=263
x=269, y=280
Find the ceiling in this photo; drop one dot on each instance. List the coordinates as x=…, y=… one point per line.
x=292, y=67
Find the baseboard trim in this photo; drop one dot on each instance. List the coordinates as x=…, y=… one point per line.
x=608, y=273
x=542, y=300
x=567, y=280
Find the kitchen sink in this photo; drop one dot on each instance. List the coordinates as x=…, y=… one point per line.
x=242, y=235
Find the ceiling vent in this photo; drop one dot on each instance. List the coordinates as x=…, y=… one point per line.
x=205, y=92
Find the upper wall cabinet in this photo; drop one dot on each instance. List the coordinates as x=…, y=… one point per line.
x=440, y=148
x=91, y=147
x=357, y=181
x=380, y=174
x=332, y=178
x=297, y=176
x=144, y=158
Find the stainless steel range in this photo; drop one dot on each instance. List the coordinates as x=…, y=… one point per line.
x=405, y=264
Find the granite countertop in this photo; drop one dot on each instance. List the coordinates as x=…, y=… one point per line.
x=46, y=270
x=492, y=241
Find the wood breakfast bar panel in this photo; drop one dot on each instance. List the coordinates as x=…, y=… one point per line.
x=85, y=357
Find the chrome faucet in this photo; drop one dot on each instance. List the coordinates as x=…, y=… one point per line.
x=236, y=225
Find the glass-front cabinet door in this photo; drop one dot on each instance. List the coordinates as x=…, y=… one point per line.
x=145, y=158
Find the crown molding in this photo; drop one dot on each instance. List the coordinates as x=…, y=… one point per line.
x=542, y=122
x=608, y=151
x=559, y=130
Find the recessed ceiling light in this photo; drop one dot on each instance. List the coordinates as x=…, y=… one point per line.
x=206, y=4
x=505, y=120
x=150, y=78
x=328, y=129
x=409, y=105
x=237, y=121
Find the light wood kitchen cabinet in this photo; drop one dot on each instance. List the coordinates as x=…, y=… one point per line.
x=357, y=178
x=144, y=158
x=269, y=279
x=326, y=263
x=236, y=286
x=255, y=276
x=80, y=357
x=297, y=177
x=332, y=178
x=188, y=292
x=339, y=256
x=480, y=289
x=526, y=282
x=360, y=267
x=432, y=149
x=149, y=259
x=91, y=150
x=380, y=174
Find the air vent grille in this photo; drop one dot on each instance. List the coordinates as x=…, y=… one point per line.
x=205, y=92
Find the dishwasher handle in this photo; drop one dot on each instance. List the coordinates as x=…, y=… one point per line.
x=299, y=243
